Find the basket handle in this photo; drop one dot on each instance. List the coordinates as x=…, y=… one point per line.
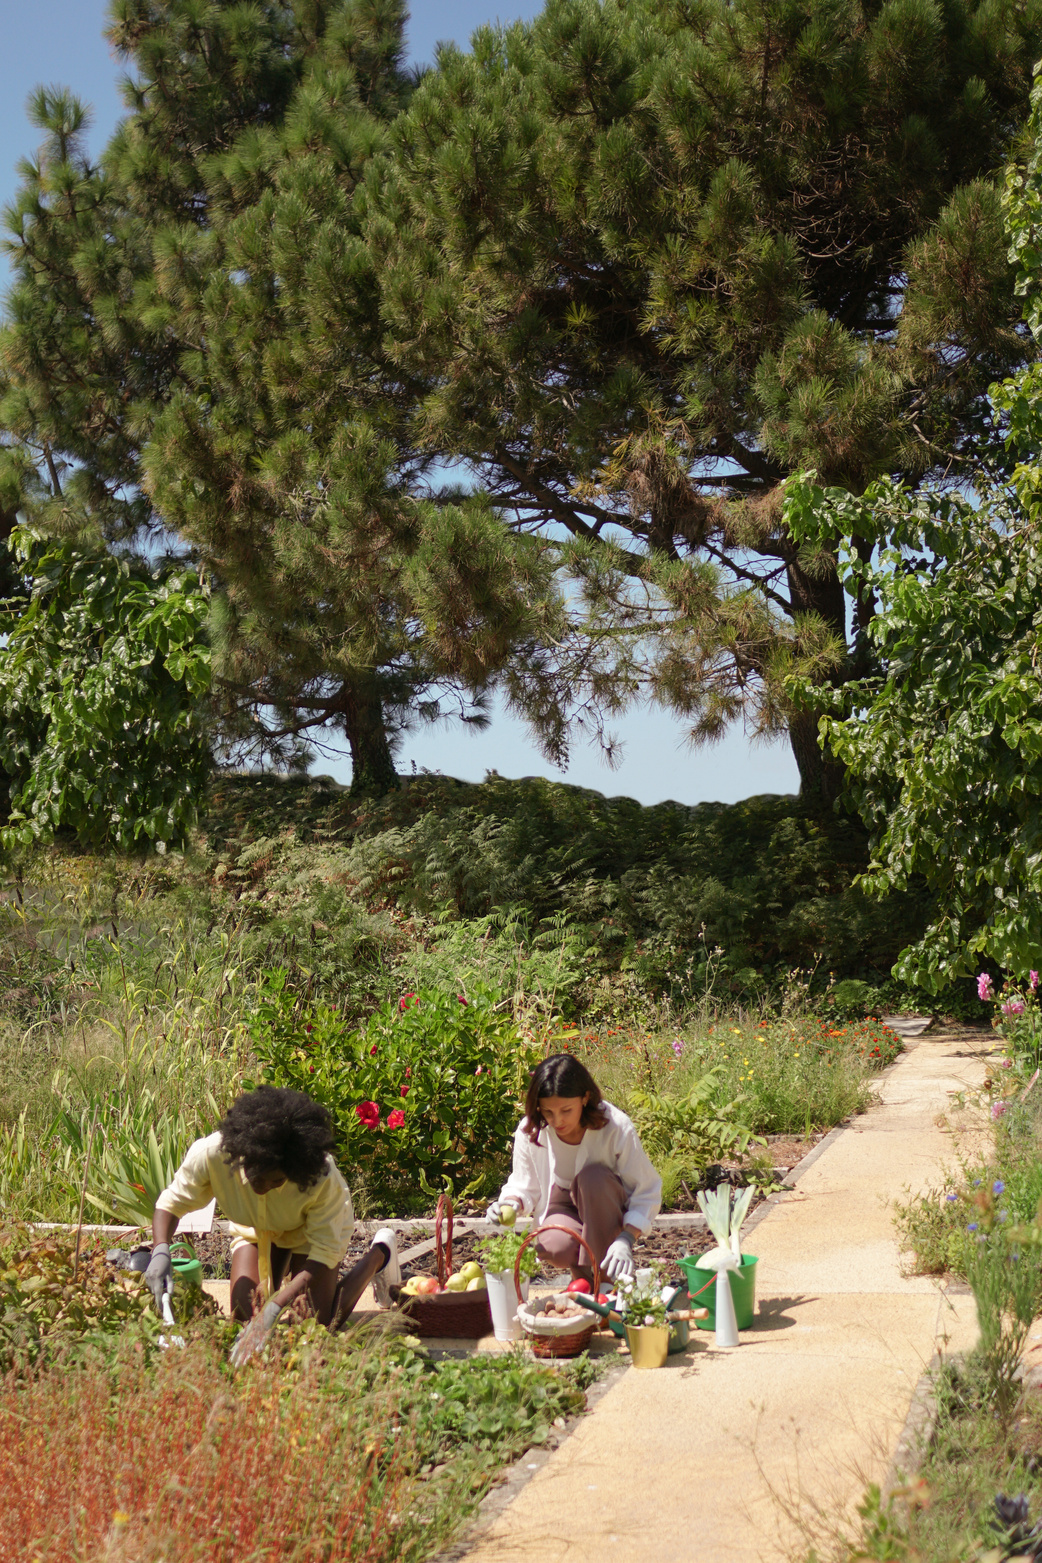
x=444, y=1255
x=555, y=1226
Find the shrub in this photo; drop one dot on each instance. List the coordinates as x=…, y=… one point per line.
x=428, y=1090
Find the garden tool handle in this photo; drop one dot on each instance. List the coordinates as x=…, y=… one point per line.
x=443, y=1256
x=555, y=1226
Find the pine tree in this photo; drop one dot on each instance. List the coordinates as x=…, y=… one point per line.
x=200, y=355
x=650, y=258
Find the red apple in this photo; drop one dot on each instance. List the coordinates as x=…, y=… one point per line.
x=427, y=1286
x=579, y=1285
x=603, y=1300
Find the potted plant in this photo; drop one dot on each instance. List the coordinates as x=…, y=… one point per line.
x=645, y=1316
x=499, y=1255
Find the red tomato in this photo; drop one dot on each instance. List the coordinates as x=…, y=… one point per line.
x=579, y=1286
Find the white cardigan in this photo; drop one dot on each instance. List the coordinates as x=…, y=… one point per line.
x=616, y=1146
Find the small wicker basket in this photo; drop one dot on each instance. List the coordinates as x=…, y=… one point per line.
x=462, y=1314
x=568, y=1339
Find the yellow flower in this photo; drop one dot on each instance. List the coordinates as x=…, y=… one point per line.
x=119, y=1518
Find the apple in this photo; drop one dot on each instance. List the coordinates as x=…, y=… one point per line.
x=427, y=1286
x=457, y=1283
x=478, y=1284
x=471, y=1271
x=409, y=1289
x=507, y=1215
x=579, y=1285
x=604, y=1301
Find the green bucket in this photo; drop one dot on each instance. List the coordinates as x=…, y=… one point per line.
x=743, y=1290
x=187, y=1268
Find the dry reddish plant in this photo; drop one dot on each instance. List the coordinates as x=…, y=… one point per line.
x=185, y=1464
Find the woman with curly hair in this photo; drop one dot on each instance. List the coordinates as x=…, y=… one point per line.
x=270, y=1169
x=579, y=1164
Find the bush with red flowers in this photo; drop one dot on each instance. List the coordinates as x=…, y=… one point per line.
x=430, y=1088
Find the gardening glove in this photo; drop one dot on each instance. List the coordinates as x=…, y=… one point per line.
x=618, y=1261
x=494, y=1213
x=159, y=1277
x=253, y=1337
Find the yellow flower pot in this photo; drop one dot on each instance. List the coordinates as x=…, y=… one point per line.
x=649, y=1345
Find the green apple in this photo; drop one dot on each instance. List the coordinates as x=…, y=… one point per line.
x=479, y=1284
x=507, y=1215
x=471, y=1271
x=457, y=1282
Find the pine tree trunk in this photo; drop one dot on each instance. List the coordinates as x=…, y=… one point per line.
x=372, y=763
x=821, y=777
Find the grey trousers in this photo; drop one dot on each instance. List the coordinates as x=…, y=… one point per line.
x=593, y=1208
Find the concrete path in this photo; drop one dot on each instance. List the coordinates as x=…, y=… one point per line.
x=712, y=1456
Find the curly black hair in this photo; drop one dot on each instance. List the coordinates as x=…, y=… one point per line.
x=273, y=1129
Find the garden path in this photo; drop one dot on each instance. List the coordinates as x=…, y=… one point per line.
x=715, y=1455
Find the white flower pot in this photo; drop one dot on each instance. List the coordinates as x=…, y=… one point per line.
x=504, y=1302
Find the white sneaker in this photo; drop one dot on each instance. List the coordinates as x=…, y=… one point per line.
x=391, y=1274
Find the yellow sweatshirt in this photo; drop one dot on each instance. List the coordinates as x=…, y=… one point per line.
x=317, y=1222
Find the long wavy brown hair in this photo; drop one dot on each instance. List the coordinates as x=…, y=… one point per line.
x=562, y=1075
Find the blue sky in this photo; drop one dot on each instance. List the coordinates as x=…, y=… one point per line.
x=60, y=42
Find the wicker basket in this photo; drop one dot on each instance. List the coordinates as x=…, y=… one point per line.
x=567, y=1340
x=463, y=1314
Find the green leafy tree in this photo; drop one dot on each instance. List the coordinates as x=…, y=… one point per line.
x=943, y=739
x=645, y=260
x=103, y=679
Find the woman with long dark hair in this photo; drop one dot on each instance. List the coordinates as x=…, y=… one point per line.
x=579, y=1163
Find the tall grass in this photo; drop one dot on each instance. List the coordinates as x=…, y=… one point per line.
x=788, y=1076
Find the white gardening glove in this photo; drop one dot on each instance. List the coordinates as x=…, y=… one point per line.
x=494, y=1213
x=159, y=1277
x=253, y=1337
x=618, y=1261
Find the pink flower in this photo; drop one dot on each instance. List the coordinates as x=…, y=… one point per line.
x=999, y=1110
x=1013, y=1007
x=478, y=1070
x=1033, y=979
x=462, y=999
x=405, y=1090
x=1007, y=1063
x=369, y=1113
x=395, y=1119
x=985, y=991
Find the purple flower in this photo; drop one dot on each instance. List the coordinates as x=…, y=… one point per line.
x=1013, y=1006
x=972, y=1227
x=998, y=1187
x=678, y=1048
x=1033, y=979
x=951, y=1198
x=985, y=990
x=999, y=1110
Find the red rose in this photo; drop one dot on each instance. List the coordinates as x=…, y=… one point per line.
x=369, y=1113
x=372, y=1050
x=405, y=1090
x=395, y=1119
x=403, y=1002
